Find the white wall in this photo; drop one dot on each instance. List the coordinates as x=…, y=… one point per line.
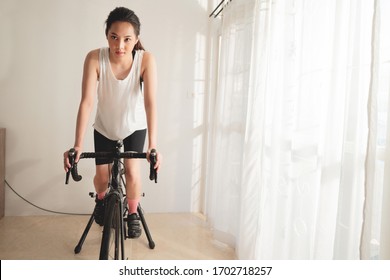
x=43, y=45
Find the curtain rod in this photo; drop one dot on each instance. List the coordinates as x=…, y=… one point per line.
x=213, y=13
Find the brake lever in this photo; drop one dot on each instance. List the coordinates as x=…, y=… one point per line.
x=71, y=155
x=73, y=167
x=153, y=160
x=67, y=177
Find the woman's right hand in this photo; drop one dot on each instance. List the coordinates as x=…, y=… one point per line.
x=67, y=164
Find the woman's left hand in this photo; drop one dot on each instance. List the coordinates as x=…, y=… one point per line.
x=158, y=159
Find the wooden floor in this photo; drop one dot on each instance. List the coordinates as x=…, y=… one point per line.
x=177, y=237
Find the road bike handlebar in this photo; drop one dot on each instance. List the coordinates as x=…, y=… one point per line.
x=109, y=155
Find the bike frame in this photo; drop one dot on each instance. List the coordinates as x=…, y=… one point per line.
x=115, y=189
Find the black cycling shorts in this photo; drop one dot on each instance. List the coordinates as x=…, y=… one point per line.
x=134, y=143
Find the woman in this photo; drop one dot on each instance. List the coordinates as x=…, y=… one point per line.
x=124, y=77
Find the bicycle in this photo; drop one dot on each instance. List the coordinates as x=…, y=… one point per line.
x=114, y=226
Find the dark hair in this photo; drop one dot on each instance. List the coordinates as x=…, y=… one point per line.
x=124, y=14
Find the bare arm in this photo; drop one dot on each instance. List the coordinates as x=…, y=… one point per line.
x=149, y=74
x=88, y=91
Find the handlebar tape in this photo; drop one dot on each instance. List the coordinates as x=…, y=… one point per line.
x=75, y=174
x=76, y=177
x=111, y=155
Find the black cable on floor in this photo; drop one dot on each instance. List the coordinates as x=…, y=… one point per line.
x=43, y=209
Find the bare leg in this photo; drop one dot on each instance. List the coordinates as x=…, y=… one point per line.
x=101, y=184
x=133, y=193
x=101, y=178
x=133, y=183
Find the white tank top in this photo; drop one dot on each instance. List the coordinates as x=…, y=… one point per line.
x=120, y=108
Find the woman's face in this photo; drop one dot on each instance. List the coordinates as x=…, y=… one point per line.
x=121, y=39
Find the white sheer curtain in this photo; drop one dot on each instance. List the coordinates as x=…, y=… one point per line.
x=298, y=143
x=376, y=226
